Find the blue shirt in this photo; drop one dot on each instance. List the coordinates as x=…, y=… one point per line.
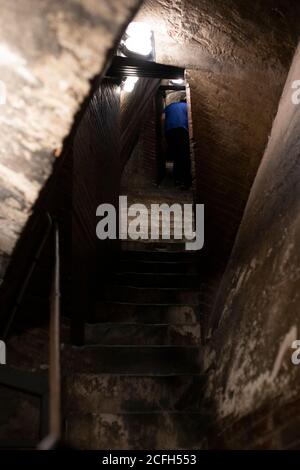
x=176, y=116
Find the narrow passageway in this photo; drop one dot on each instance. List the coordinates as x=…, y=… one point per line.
x=165, y=193
x=135, y=381
x=143, y=388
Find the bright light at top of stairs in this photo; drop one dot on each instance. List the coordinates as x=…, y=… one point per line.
x=139, y=38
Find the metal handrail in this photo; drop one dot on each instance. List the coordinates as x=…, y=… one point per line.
x=55, y=420
x=28, y=277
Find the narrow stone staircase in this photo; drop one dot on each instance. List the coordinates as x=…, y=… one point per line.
x=136, y=384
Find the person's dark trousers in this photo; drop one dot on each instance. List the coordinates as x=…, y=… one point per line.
x=179, y=149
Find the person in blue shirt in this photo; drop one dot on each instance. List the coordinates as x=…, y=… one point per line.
x=177, y=136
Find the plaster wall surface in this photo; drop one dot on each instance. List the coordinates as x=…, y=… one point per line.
x=49, y=51
x=249, y=358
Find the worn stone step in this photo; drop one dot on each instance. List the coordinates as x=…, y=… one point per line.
x=139, y=334
x=136, y=431
x=169, y=280
x=155, y=246
x=140, y=313
x=177, y=221
x=146, y=210
x=144, y=360
x=153, y=267
x=119, y=394
x=160, y=255
x=162, y=236
x=164, y=198
x=161, y=195
x=151, y=295
x=151, y=231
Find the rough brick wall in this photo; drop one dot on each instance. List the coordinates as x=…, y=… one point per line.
x=248, y=359
x=135, y=108
x=95, y=180
x=270, y=427
x=140, y=171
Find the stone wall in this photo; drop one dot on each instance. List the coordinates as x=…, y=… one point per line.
x=135, y=108
x=49, y=50
x=249, y=358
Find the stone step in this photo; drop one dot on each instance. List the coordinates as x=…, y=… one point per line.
x=142, y=360
x=118, y=394
x=147, y=207
x=151, y=295
x=153, y=267
x=155, y=246
x=141, y=313
x=142, y=334
x=161, y=255
x=161, y=236
x=182, y=281
x=161, y=196
x=136, y=431
x=159, y=228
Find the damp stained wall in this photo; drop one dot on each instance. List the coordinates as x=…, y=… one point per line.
x=248, y=358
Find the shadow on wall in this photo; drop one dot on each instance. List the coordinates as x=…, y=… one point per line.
x=86, y=175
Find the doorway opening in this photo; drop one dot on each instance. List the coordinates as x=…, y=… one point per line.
x=149, y=174
x=174, y=133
